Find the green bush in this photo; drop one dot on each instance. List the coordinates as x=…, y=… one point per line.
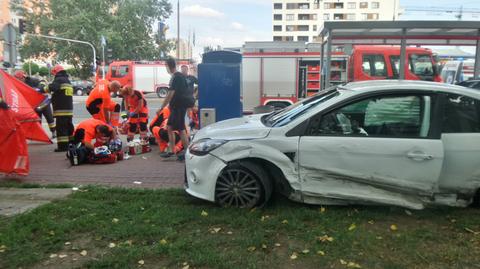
x=43, y=71
x=33, y=67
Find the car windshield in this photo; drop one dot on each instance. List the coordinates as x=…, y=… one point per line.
x=288, y=114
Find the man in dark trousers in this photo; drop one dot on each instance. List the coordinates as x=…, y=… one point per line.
x=44, y=109
x=177, y=99
x=62, y=101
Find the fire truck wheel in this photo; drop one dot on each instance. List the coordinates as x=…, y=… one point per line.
x=162, y=92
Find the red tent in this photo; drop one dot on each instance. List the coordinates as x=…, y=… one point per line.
x=19, y=122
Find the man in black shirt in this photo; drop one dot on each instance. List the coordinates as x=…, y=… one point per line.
x=177, y=94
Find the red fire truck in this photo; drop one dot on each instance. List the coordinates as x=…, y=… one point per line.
x=280, y=73
x=149, y=77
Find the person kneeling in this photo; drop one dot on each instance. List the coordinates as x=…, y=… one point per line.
x=94, y=142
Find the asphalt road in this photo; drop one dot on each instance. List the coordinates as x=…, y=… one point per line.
x=80, y=113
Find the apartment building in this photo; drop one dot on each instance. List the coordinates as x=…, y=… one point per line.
x=301, y=20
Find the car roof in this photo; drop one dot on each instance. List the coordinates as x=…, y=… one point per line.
x=394, y=85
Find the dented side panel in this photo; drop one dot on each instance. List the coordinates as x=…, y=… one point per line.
x=380, y=170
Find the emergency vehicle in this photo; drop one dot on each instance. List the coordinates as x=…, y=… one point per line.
x=145, y=76
x=454, y=72
x=280, y=73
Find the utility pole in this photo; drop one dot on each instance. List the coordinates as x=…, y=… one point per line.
x=178, y=29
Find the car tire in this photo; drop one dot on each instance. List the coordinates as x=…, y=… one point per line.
x=243, y=184
x=162, y=92
x=79, y=92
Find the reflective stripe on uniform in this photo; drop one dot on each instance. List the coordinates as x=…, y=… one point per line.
x=63, y=139
x=63, y=112
x=52, y=125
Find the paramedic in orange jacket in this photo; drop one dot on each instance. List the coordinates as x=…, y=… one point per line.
x=100, y=104
x=93, y=129
x=158, y=127
x=136, y=105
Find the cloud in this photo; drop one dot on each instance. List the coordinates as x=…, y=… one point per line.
x=238, y=26
x=199, y=11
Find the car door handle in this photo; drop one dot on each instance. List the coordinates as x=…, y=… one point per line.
x=419, y=156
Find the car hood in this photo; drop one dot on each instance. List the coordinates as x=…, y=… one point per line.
x=248, y=127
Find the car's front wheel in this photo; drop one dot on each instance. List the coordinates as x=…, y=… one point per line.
x=242, y=184
x=79, y=92
x=162, y=92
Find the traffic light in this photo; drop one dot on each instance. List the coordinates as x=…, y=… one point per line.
x=109, y=55
x=22, y=26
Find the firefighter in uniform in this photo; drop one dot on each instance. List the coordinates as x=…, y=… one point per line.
x=62, y=101
x=45, y=108
x=136, y=106
x=100, y=105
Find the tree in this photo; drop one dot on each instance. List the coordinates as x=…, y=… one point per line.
x=43, y=71
x=126, y=24
x=30, y=67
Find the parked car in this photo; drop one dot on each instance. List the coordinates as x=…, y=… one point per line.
x=472, y=83
x=402, y=143
x=82, y=87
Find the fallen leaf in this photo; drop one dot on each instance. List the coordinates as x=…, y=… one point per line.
x=229, y=232
x=185, y=263
x=204, y=213
x=84, y=253
x=264, y=246
x=253, y=209
x=61, y=256
x=163, y=242
x=471, y=231
x=278, y=244
x=322, y=209
x=52, y=233
x=251, y=249
x=137, y=182
x=371, y=222
x=186, y=267
x=321, y=253
x=293, y=256
x=353, y=265
x=408, y=212
x=75, y=189
x=264, y=218
x=53, y=255
x=145, y=158
x=115, y=220
x=343, y=262
x=305, y=251
x=352, y=227
x=215, y=230
x=112, y=245
x=325, y=238
x=379, y=238
x=129, y=242
x=3, y=248
x=393, y=227
x=284, y=221
x=453, y=220
x=67, y=243
x=141, y=262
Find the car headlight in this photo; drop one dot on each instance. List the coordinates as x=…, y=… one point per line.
x=204, y=146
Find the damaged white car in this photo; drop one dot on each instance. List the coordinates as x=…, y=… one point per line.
x=402, y=143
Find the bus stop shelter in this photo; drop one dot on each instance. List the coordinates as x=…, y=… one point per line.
x=398, y=33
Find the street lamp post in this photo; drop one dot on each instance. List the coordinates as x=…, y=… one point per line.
x=73, y=41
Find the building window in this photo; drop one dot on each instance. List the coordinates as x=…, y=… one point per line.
x=375, y=5
x=290, y=28
x=290, y=17
x=314, y=28
x=291, y=6
x=314, y=17
x=351, y=17
x=352, y=5
x=304, y=6
x=364, y=16
x=338, y=5
x=303, y=28
x=316, y=5
x=327, y=6
x=372, y=16
x=277, y=38
x=326, y=16
x=277, y=6
x=277, y=28
x=363, y=4
x=302, y=38
x=303, y=17
x=277, y=17
x=289, y=38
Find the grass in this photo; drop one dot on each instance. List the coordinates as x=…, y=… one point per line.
x=167, y=228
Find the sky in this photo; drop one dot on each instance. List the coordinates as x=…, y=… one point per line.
x=229, y=23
